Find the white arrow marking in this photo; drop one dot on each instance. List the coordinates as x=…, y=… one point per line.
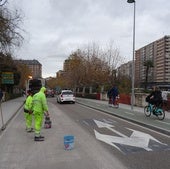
x=111, y=140
x=101, y=124
x=138, y=134
x=109, y=121
x=137, y=138
x=106, y=139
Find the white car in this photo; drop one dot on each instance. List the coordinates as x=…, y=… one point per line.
x=66, y=96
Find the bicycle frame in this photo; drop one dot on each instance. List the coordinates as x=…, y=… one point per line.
x=150, y=107
x=153, y=109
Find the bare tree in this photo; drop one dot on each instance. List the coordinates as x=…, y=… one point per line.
x=2, y=2
x=9, y=29
x=24, y=73
x=114, y=59
x=92, y=66
x=76, y=69
x=7, y=64
x=95, y=68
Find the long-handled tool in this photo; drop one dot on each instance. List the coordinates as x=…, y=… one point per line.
x=3, y=126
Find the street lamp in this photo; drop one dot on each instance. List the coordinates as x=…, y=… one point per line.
x=133, y=61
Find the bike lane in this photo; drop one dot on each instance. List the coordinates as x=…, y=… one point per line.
x=136, y=115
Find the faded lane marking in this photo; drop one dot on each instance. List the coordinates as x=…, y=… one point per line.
x=163, y=122
x=129, y=113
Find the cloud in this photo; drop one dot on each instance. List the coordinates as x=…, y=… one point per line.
x=56, y=28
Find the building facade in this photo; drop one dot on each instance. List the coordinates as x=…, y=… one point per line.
x=125, y=70
x=34, y=66
x=158, y=52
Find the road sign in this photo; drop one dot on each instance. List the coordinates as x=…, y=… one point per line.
x=7, y=78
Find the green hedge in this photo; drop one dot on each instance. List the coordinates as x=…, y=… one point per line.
x=87, y=95
x=9, y=96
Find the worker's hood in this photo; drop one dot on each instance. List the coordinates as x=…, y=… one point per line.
x=43, y=89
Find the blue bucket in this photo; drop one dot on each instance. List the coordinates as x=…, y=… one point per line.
x=68, y=142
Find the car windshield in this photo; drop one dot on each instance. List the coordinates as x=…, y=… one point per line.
x=67, y=93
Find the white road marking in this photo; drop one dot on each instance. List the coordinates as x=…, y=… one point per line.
x=101, y=124
x=137, y=138
x=86, y=123
x=109, y=121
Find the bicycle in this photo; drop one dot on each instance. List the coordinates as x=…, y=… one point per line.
x=114, y=103
x=155, y=110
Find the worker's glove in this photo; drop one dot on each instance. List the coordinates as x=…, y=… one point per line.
x=30, y=112
x=47, y=114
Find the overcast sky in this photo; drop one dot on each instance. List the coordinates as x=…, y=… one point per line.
x=55, y=28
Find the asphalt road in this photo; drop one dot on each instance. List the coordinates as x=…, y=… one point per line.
x=102, y=141
x=134, y=145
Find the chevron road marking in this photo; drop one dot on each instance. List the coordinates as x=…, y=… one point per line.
x=137, y=138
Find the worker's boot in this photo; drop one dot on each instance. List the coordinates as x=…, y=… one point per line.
x=39, y=138
x=29, y=130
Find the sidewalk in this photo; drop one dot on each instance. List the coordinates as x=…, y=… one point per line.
x=125, y=112
x=9, y=109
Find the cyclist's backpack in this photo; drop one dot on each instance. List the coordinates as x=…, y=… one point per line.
x=147, y=98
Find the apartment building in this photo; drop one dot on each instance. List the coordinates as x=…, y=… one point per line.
x=34, y=66
x=125, y=69
x=159, y=53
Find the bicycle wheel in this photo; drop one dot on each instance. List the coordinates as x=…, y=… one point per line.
x=116, y=104
x=147, y=111
x=110, y=102
x=160, y=114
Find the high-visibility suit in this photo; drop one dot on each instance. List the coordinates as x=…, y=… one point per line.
x=28, y=107
x=39, y=108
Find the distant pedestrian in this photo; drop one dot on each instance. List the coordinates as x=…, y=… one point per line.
x=39, y=108
x=165, y=95
x=23, y=93
x=28, y=110
x=1, y=94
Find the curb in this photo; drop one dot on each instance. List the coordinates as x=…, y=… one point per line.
x=163, y=131
x=8, y=121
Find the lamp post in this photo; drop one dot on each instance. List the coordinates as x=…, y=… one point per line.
x=133, y=60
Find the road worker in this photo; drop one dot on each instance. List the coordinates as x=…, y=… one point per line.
x=28, y=109
x=40, y=108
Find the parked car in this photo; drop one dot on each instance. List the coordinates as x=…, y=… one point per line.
x=50, y=93
x=66, y=96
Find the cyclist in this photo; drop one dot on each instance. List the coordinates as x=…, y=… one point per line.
x=113, y=93
x=155, y=97
x=109, y=95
